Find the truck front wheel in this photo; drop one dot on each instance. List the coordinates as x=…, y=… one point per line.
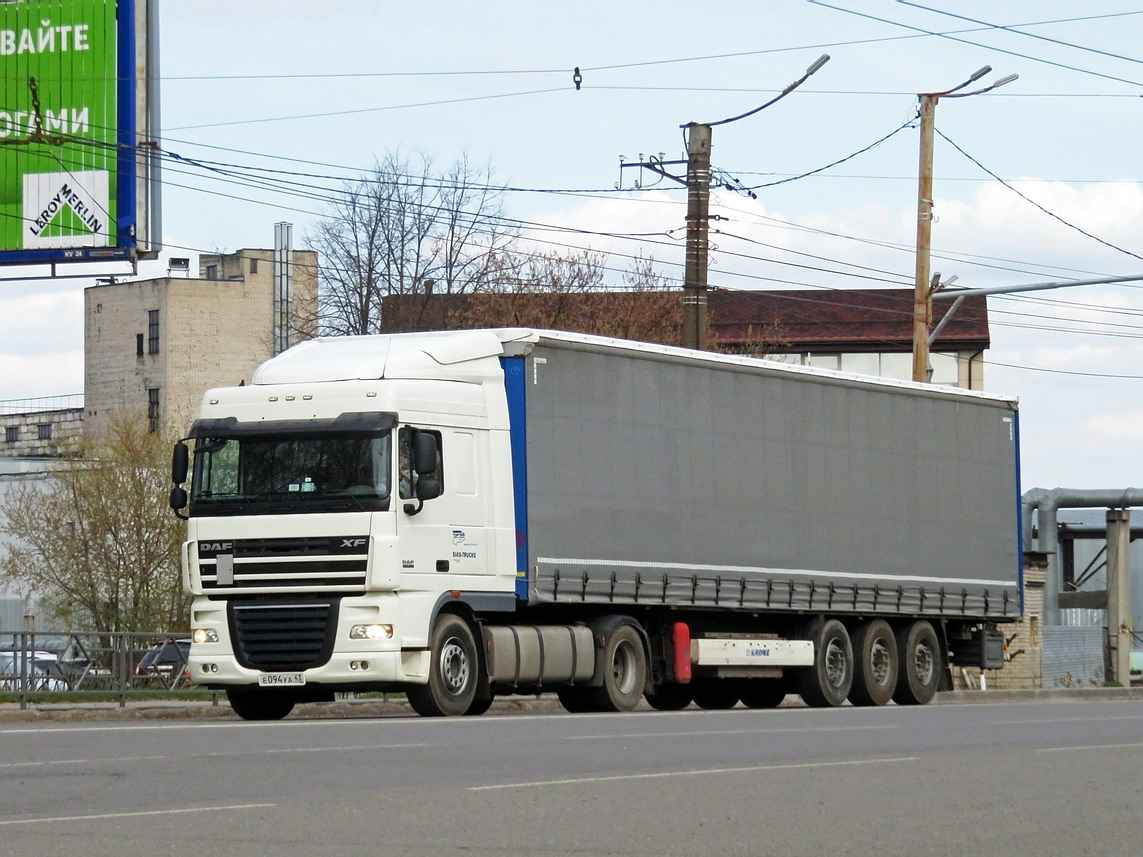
x=453, y=671
x=251, y=704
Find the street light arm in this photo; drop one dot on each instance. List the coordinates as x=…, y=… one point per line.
x=998, y=83
x=817, y=64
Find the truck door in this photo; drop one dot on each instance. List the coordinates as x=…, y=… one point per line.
x=446, y=534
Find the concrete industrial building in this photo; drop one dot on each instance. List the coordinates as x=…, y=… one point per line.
x=151, y=348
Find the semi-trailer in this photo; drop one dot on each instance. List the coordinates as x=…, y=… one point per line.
x=468, y=514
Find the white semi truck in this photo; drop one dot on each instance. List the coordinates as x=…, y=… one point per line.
x=462, y=515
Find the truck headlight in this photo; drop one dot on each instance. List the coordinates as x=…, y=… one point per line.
x=371, y=632
x=204, y=635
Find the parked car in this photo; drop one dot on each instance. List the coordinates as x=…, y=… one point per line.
x=164, y=658
x=42, y=670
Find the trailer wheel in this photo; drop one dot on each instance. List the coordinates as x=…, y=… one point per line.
x=670, y=697
x=624, y=671
x=920, y=664
x=453, y=671
x=715, y=694
x=875, y=664
x=762, y=692
x=828, y=681
x=251, y=704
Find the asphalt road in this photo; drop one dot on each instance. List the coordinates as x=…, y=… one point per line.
x=998, y=779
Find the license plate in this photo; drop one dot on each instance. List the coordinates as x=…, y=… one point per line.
x=281, y=679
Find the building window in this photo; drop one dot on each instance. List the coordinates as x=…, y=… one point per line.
x=152, y=409
x=138, y=345
x=152, y=331
x=11, y=434
x=44, y=431
x=212, y=272
x=253, y=266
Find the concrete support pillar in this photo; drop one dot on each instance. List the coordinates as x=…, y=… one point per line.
x=1118, y=596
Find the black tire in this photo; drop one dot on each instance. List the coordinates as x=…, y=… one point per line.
x=715, y=694
x=576, y=699
x=762, y=692
x=919, y=655
x=252, y=704
x=669, y=697
x=454, y=671
x=624, y=671
x=875, y=663
x=828, y=681
x=479, y=706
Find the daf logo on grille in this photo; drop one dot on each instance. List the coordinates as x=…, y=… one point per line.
x=215, y=547
x=353, y=543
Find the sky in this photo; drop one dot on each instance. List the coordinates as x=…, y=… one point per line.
x=267, y=107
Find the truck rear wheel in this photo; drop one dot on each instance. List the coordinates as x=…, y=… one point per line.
x=251, y=704
x=715, y=694
x=919, y=674
x=624, y=671
x=828, y=681
x=875, y=663
x=762, y=692
x=670, y=697
x=453, y=671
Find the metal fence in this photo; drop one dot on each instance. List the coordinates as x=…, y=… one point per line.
x=119, y=664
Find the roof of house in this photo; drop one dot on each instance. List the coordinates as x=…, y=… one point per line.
x=839, y=320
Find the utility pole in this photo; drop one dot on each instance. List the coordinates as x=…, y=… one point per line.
x=698, y=236
x=923, y=286
x=694, y=333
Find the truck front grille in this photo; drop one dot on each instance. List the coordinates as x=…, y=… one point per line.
x=336, y=564
x=283, y=636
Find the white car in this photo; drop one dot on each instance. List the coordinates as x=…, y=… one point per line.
x=42, y=670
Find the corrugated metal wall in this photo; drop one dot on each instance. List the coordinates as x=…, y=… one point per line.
x=1073, y=657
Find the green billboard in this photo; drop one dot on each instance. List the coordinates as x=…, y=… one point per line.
x=68, y=133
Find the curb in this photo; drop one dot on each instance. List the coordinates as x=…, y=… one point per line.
x=367, y=708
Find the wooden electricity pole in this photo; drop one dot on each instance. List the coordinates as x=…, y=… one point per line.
x=923, y=287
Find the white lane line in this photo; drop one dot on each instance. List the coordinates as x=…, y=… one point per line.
x=750, y=769
x=1086, y=747
x=1050, y=720
x=727, y=732
x=213, y=755
x=68, y=818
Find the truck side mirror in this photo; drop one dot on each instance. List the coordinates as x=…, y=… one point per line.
x=428, y=489
x=425, y=452
x=178, y=498
x=180, y=464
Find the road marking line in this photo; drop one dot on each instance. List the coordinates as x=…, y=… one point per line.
x=727, y=732
x=663, y=775
x=64, y=818
x=213, y=755
x=1086, y=747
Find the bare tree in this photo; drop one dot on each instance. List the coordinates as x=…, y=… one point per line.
x=400, y=229
x=95, y=541
x=570, y=292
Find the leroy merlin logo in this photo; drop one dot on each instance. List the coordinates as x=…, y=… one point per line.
x=66, y=209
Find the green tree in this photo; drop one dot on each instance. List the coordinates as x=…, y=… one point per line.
x=95, y=541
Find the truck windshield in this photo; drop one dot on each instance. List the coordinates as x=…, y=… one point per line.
x=287, y=474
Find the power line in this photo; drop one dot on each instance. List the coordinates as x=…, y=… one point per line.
x=954, y=38
x=1036, y=204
